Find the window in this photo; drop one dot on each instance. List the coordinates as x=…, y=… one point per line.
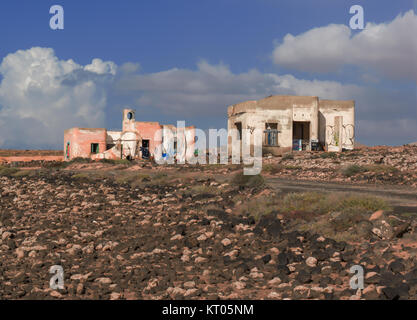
x=94, y=148
x=239, y=129
x=67, y=151
x=271, y=134
x=130, y=116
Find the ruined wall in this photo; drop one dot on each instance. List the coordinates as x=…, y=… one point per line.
x=80, y=140
x=125, y=143
x=328, y=110
x=113, y=136
x=129, y=142
x=275, y=109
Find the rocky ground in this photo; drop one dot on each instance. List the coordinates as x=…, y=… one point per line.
x=136, y=232
x=381, y=165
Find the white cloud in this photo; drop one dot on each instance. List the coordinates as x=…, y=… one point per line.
x=37, y=100
x=390, y=48
x=129, y=67
x=211, y=88
x=41, y=95
x=101, y=67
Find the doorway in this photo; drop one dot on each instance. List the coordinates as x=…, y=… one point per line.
x=301, y=135
x=145, y=149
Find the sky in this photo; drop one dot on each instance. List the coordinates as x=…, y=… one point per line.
x=190, y=59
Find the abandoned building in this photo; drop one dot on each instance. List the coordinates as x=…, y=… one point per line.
x=294, y=123
x=137, y=139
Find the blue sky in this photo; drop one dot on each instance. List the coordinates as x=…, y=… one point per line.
x=221, y=51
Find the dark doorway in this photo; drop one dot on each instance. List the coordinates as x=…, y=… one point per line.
x=145, y=144
x=145, y=149
x=239, y=129
x=301, y=135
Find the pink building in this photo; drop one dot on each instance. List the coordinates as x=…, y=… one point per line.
x=130, y=143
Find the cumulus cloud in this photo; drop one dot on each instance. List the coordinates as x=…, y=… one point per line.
x=389, y=48
x=129, y=67
x=101, y=67
x=41, y=95
x=37, y=100
x=210, y=88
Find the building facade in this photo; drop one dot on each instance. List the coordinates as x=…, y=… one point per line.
x=137, y=139
x=294, y=123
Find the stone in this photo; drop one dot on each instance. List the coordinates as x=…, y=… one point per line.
x=311, y=262
x=115, y=295
x=303, y=277
x=396, y=266
x=239, y=285
x=20, y=253
x=55, y=294
x=301, y=291
x=226, y=242
x=103, y=280
x=274, y=282
x=274, y=295
x=376, y=215
x=189, y=284
x=80, y=289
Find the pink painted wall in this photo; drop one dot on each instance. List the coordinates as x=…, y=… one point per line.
x=80, y=140
x=149, y=131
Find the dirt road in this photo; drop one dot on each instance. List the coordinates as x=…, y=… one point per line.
x=402, y=198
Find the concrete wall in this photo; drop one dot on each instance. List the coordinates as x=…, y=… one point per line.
x=113, y=136
x=282, y=110
x=328, y=110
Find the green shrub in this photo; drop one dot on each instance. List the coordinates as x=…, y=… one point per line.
x=352, y=170
x=248, y=181
x=116, y=161
x=382, y=168
x=80, y=160
x=272, y=168
x=340, y=216
x=288, y=156
x=305, y=202
x=326, y=155
x=82, y=177
x=23, y=173
x=7, y=171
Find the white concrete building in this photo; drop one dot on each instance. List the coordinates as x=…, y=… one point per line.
x=294, y=123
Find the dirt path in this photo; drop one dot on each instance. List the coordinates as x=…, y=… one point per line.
x=403, y=199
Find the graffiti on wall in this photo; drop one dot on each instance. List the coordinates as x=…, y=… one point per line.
x=348, y=135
